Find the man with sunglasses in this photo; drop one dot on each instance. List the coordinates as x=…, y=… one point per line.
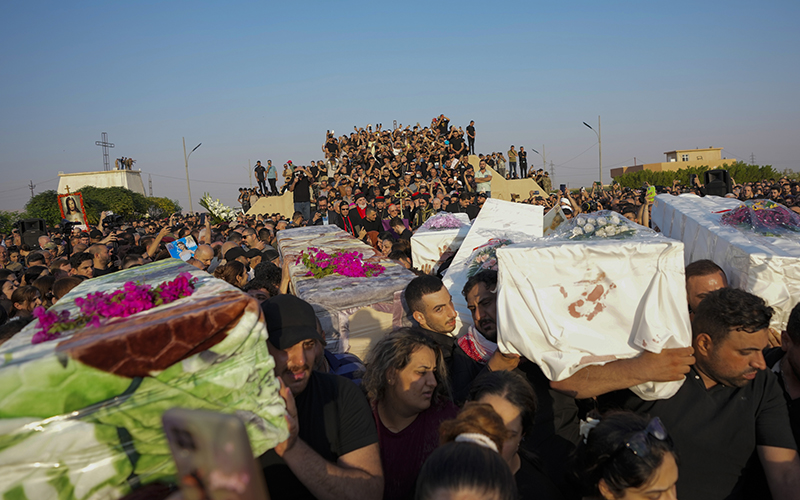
x=729, y=406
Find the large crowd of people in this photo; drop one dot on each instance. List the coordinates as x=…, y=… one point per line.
x=427, y=415
x=418, y=171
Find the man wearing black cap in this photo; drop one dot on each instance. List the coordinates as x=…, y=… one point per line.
x=380, y=206
x=237, y=253
x=332, y=449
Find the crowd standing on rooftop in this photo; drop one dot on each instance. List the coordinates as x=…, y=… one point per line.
x=427, y=415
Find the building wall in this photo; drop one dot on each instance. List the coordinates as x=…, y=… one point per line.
x=130, y=179
x=708, y=154
x=671, y=166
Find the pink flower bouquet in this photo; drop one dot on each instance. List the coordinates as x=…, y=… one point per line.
x=97, y=308
x=351, y=264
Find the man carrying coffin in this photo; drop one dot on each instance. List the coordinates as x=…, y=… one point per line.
x=729, y=405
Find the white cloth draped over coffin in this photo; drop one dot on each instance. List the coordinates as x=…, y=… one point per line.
x=765, y=266
x=569, y=304
x=497, y=219
x=352, y=311
x=434, y=246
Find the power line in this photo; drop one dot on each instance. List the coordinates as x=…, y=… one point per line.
x=194, y=180
x=27, y=186
x=584, y=152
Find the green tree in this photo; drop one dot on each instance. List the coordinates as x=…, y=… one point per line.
x=96, y=200
x=44, y=206
x=162, y=207
x=8, y=220
x=740, y=172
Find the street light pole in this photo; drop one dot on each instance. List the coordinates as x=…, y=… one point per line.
x=544, y=160
x=600, y=146
x=186, y=161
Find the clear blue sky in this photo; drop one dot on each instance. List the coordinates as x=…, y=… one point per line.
x=266, y=80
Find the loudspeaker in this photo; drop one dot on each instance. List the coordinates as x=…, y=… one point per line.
x=30, y=230
x=717, y=182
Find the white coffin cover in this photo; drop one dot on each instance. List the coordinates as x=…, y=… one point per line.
x=569, y=304
x=428, y=245
x=497, y=219
x=765, y=266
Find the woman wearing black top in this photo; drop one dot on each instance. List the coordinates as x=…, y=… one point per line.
x=512, y=397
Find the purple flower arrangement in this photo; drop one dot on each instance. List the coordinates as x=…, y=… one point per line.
x=351, y=264
x=442, y=220
x=97, y=308
x=763, y=216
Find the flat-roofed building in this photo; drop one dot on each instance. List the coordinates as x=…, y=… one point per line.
x=680, y=158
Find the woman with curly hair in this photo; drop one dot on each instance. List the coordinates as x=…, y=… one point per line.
x=406, y=384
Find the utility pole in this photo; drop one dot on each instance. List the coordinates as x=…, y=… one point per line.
x=552, y=169
x=544, y=159
x=752, y=159
x=186, y=160
x=600, y=145
x=31, y=185
x=600, y=149
x=150, y=183
x=250, y=173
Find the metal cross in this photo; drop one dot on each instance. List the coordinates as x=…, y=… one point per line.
x=105, y=145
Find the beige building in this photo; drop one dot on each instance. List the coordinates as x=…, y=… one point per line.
x=680, y=158
x=129, y=179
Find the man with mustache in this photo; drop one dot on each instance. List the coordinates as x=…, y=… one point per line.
x=332, y=450
x=729, y=406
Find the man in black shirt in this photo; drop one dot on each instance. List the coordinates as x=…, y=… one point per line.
x=785, y=362
x=324, y=216
x=300, y=185
x=729, y=406
x=432, y=308
x=471, y=136
x=348, y=219
x=464, y=206
x=332, y=450
x=261, y=178
x=523, y=163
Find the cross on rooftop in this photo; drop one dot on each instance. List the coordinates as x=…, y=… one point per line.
x=105, y=145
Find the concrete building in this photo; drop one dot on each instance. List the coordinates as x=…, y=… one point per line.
x=130, y=179
x=680, y=158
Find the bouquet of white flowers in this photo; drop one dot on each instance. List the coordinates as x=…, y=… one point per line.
x=595, y=225
x=219, y=213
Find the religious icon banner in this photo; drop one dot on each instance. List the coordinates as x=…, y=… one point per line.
x=72, y=209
